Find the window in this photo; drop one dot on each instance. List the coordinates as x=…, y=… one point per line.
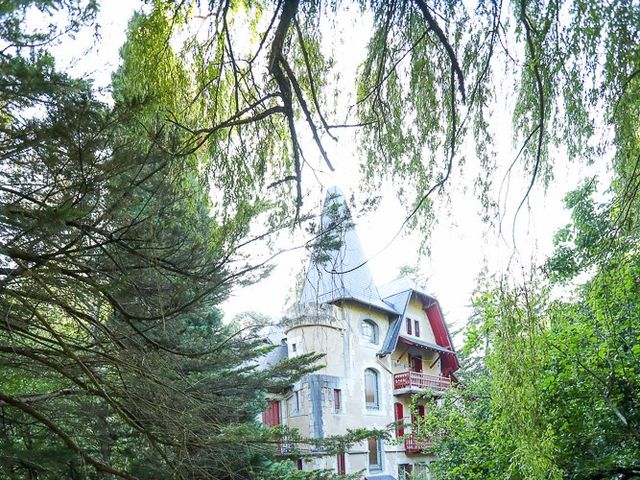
x=415, y=421
x=375, y=453
x=341, y=465
x=398, y=411
x=371, y=388
x=409, y=322
x=421, y=471
x=294, y=403
x=404, y=471
x=337, y=399
x=415, y=363
x=416, y=330
x=299, y=463
x=294, y=347
x=369, y=331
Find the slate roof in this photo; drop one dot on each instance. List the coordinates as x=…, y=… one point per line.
x=399, y=285
x=273, y=335
x=399, y=292
x=341, y=272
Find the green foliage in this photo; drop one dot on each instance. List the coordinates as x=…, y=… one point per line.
x=115, y=359
x=549, y=388
x=256, y=90
x=120, y=226
x=287, y=470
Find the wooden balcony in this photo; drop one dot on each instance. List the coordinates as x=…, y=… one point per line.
x=411, y=382
x=415, y=445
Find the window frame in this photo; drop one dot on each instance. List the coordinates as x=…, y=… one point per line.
x=337, y=400
x=294, y=403
x=374, y=467
x=398, y=414
x=415, y=363
x=341, y=467
x=409, y=326
x=404, y=471
x=367, y=322
x=375, y=375
x=416, y=328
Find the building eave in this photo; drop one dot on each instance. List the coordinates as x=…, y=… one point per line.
x=415, y=342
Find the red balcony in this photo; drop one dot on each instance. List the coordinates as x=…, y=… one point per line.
x=418, y=381
x=415, y=445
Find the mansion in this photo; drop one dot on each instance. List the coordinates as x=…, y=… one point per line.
x=381, y=345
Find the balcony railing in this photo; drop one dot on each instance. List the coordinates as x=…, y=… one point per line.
x=415, y=445
x=416, y=380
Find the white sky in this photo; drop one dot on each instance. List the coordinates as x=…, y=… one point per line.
x=461, y=245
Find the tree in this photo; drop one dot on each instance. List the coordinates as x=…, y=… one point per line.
x=426, y=86
x=115, y=360
x=551, y=388
x=112, y=249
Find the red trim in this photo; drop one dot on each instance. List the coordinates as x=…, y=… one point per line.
x=449, y=363
x=414, y=444
x=420, y=380
x=398, y=410
x=415, y=363
x=337, y=399
x=271, y=416
x=341, y=464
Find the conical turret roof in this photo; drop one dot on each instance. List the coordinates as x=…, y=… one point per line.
x=338, y=269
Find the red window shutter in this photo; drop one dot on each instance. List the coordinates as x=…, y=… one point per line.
x=271, y=416
x=337, y=399
x=409, y=321
x=299, y=463
x=341, y=464
x=417, y=328
x=399, y=417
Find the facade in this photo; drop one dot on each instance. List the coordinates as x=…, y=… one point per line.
x=381, y=345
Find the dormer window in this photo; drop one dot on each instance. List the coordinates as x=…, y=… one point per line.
x=369, y=331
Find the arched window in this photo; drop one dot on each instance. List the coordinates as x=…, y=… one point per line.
x=369, y=331
x=371, y=393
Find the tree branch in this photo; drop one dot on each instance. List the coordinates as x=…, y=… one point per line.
x=433, y=24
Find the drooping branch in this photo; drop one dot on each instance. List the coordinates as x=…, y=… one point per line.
x=310, y=77
x=43, y=397
x=307, y=113
x=534, y=64
x=276, y=57
x=442, y=38
x=66, y=439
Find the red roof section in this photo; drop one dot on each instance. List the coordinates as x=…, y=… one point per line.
x=449, y=363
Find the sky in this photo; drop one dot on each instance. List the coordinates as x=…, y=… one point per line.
x=462, y=247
